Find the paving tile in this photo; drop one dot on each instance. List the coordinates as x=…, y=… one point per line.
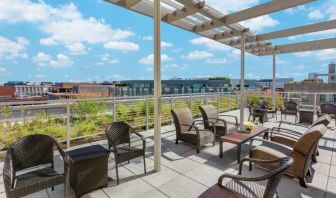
x=97, y=193
x=39, y=194
x=330, y=195
x=129, y=189
x=331, y=184
x=181, y=187
x=180, y=165
x=136, y=165
x=318, y=181
x=321, y=168
x=205, y=175
x=157, y=179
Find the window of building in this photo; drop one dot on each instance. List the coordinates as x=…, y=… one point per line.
x=323, y=98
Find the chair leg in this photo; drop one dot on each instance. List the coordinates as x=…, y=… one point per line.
x=176, y=141
x=52, y=188
x=197, y=150
x=117, y=174
x=303, y=182
x=144, y=159
x=65, y=190
x=250, y=166
x=309, y=173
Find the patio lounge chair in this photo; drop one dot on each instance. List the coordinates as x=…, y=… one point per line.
x=289, y=108
x=238, y=186
x=290, y=137
x=187, y=131
x=301, y=152
x=329, y=109
x=119, y=142
x=28, y=153
x=222, y=126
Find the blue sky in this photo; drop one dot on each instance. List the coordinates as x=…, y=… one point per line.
x=93, y=40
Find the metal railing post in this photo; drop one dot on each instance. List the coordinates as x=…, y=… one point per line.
x=190, y=101
x=206, y=100
x=171, y=108
x=147, y=113
x=228, y=101
x=114, y=109
x=315, y=112
x=68, y=128
x=265, y=95
x=218, y=103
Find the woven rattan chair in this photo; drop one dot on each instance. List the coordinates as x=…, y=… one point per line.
x=257, y=112
x=222, y=126
x=301, y=152
x=28, y=153
x=289, y=137
x=119, y=142
x=238, y=186
x=290, y=108
x=329, y=109
x=187, y=131
x=273, y=110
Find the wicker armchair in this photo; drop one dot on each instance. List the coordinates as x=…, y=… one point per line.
x=290, y=137
x=290, y=108
x=119, y=142
x=273, y=110
x=27, y=153
x=187, y=131
x=329, y=109
x=301, y=152
x=239, y=186
x=221, y=126
x=257, y=112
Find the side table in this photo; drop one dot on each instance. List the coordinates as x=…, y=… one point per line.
x=88, y=169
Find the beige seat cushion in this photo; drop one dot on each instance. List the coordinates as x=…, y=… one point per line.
x=205, y=136
x=221, y=130
x=288, y=141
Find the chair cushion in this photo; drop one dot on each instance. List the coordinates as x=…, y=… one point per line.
x=205, y=136
x=221, y=130
x=309, y=138
x=218, y=192
x=124, y=150
x=184, y=116
x=271, y=151
x=38, y=179
x=288, y=141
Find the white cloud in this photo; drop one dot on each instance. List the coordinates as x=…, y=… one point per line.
x=260, y=23
x=176, y=66
x=315, y=14
x=2, y=69
x=217, y=61
x=210, y=44
x=232, y=6
x=122, y=46
x=149, y=60
x=63, y=24
x=196, y=55
x=76, y=48
x=166, y=44
x=326, y=54
x=61, y=61
x=147, y=38
x=42, y=58
x=48, y=42
x=10, y=49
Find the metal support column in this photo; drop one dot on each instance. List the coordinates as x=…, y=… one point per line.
x=157, y=85
x=68, y=126
x=274, y=82
x=242, y=80
x=147, y=114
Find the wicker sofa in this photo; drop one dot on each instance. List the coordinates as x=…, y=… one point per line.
x=301, y=152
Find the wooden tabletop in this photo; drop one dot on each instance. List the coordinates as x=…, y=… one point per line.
x=241, y=136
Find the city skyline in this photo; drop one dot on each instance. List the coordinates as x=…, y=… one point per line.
x=87, y=41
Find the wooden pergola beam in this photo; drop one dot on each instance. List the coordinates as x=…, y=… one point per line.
x=182, y=13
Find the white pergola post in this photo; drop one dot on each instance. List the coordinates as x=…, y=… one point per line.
x=157, y=86
x=242, y=80
x=274, y=82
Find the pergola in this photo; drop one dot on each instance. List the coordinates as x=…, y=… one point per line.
x=198, y=17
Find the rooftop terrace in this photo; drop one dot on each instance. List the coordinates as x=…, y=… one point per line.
x=187, y=174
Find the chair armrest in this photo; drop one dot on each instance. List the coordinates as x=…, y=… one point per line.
x=140, y=136
x=65, y=156
x=285, y=134
x=192, y=126
x=235, y=117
